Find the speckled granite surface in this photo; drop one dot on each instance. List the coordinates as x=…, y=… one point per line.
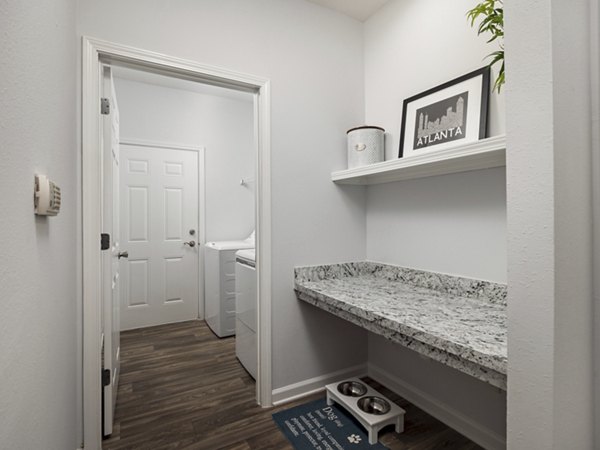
x=457, y=321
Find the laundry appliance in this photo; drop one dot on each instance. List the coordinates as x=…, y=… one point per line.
x=219, y=282
x=246, y=310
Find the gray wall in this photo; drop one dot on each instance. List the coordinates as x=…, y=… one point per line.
x=37, y=272
x=223, y=126
x=453, y=224
x=313, y=58
x=465, y=403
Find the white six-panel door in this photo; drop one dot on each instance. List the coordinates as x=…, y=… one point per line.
x=159, y=228
x=110, y=261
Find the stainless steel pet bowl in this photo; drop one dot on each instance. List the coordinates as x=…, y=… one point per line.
x=374, y=405
x=352, y=388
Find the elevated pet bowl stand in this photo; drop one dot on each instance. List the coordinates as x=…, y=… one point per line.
x=373, y=423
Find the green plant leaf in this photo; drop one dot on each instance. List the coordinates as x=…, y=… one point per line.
x=491, y=13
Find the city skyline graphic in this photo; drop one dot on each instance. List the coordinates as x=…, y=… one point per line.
x=441, y=122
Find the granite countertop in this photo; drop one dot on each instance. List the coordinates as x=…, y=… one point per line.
x=457, y=321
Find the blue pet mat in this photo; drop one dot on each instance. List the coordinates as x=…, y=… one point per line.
x=316, y=426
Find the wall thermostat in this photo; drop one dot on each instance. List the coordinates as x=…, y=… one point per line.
x=46, y=199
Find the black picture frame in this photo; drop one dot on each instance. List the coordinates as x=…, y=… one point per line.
x=483, y=72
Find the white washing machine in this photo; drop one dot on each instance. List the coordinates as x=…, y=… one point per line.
x=246, y=305
x=219, y=284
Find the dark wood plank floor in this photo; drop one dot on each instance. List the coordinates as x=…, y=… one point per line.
x=183, y=388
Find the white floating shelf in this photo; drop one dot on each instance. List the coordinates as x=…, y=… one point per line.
x=483, y=154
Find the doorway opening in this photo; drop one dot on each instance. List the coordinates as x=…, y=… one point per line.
x=160, y=184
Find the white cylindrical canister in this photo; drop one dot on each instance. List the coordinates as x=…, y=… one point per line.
x=365, y=146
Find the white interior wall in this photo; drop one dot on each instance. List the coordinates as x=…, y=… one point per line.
x=549, y=157
x=456, y=223
x=38, y=334
x=414, y=45
x=313, y=57
x=453, y=224
x=223, y=126
x=37, y=135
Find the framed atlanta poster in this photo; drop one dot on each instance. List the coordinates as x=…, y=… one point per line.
x=445, y=116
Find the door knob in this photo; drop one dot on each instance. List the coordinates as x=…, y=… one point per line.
x=124, y=254
x=190, y=243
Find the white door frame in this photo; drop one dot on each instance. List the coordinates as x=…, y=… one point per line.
x=96, y=51
x=201, y=236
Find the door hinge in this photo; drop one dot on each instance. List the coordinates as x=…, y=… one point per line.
x=104, y=106
x=104, y=241
x=105, y=377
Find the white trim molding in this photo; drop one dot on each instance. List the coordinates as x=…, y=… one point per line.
x=311, y=386
x=95, y=52
x=483, y=436
x=262, y=114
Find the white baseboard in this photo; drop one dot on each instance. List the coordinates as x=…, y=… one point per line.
x=481, y=435
x=313, y=385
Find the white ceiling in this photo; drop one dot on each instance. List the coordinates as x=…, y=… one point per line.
x=177, y=83
x=359, y=9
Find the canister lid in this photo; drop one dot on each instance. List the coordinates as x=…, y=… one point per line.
x=363, y=127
